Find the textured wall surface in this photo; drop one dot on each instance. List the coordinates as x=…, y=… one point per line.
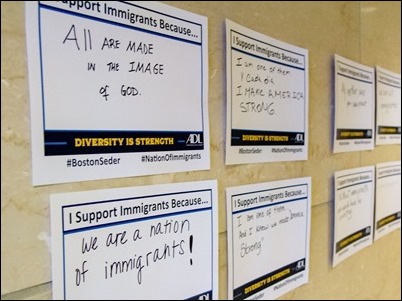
x=367, y=32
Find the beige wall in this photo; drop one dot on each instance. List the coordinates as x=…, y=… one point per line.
x=367, y=32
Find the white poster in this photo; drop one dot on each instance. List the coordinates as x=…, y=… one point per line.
x=117, y=89
x=267, y=98
x=353, y=212
x=388, y=129
x=140, y=243
x=268, y=228
x=388, y=198
x=354, y=106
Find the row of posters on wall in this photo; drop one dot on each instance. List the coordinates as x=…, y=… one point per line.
x=120, y=89
x=124, y=243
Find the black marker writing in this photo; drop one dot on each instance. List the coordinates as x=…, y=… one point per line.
x=92, y=245
x=80, y=274
x=72, y=36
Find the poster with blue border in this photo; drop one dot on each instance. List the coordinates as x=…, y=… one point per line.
x=268, y=238
x=387, y=198
x=266, y=98
x=354, y=106
x=353, y=212
x=155, y=242
x=388, y=107
x=117, y=89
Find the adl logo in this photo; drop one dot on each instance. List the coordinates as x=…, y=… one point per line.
x=194, y=139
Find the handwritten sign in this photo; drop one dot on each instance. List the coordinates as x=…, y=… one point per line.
x=268, y=238
x=142, y=243
x=388, y=198
x=267, y=98
x=354, y=106
x=388, y=84
x=117, y=89
x=353, y=216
